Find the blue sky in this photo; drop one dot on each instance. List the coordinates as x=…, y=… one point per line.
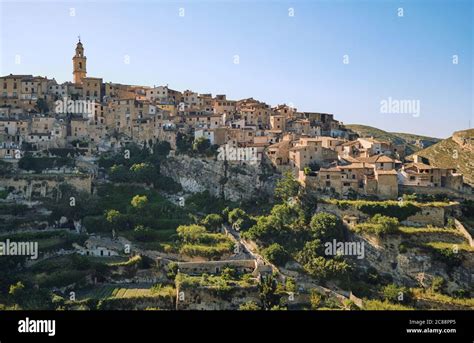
x=297, y=60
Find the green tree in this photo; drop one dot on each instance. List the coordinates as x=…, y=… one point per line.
x=17, y=291
x=394, y=294
x=112, y=216
x=315, y=299
x=276, y=254
x=212, y=222
x=116, y=219
x=325, y=269
x=290, y=285
x=139, y=201
x=310, y=251
x=201, y=145
x=190, y=233
x=144, y=172
x=241, y=219
x=326, y=226
x=387, y=225
x=267, y=287
x=287, y=187
x=120, y=173
x=162, y=149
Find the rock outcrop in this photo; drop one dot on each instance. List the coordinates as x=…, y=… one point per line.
x=229, y=180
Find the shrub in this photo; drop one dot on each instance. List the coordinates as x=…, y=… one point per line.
x=402, y=248
x=139, y=201
x=399, y=210
x=276, y=254
x=249, y=306
x=190, y=233
x=379, y=225
x=212, y=222
x=438, y=284
x=326, y=226
x=394, y=294
x=287, y=187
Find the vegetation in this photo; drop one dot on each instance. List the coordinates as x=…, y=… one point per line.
x=197, y=241
x=134, y=164
x=377, y=305
x=222, y=283
x=397, y=294
x=287, y=187
x=379, y=225
x=393, y=137
x=448, y=153
x=38, y=164
x=400, y=210
x=212, y=222
x=249, y=306
x=276, y=254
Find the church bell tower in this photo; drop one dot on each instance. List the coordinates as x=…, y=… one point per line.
x=79, y=64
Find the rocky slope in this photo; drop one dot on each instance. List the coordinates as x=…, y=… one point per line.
x=456, y=151
x=412, y=142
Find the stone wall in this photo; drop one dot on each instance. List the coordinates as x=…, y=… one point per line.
x=232, y=181
x=405, y=189
x=427, y=216
x=206, y=298
x=43, y=185
x=215, y=267
x=138, y=303
x=464, y=232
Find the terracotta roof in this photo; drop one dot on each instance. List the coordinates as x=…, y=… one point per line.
x=387, y=172
x=350, y=143
x=376, y=158
x=332, y=169
x=357, y=165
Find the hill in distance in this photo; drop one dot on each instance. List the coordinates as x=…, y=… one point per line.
x=456, y=151
x=412, y=142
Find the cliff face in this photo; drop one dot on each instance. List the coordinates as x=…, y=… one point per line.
x=414, y=267
x=222, y=179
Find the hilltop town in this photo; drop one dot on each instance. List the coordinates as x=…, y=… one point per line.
x=147, y=197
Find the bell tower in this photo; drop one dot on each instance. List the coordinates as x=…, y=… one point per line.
x=79, y=64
